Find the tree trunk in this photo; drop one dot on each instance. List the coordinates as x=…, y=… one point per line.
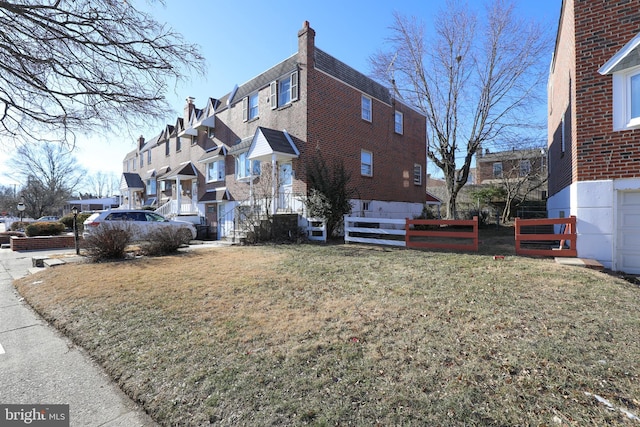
x=451, y=212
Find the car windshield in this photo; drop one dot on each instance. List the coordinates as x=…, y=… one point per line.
x=154, y=217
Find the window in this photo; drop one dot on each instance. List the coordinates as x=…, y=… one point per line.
x=167, y=148
x=497, y=170
x=246, y=168
x=211, y=132
x=134, y=163
x=626, y=99
x=194, y=140
x=417, y=174
x=149, y=157
x=141, y=160
x=366, y=163
x=178, y=144
x=366, y=108
x=151, y=187
x=250, y=107
x=398, y=126
x=525, y=167
x=285, y=174
x=284, y=91
x=215, y=171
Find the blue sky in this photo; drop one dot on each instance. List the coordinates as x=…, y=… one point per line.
x=241, y=39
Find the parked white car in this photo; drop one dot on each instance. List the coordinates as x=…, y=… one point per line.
x=140, y=222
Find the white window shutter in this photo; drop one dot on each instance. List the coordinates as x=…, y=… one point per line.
x=274, y=95
x=245, y=108
x=294, y=86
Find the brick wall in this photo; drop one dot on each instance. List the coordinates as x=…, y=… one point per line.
x=336, y=131
x=41, y=242
x=602, y=28
x=510, y=164
x=561, y=104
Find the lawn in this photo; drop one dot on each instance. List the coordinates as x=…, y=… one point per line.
x=329, y=335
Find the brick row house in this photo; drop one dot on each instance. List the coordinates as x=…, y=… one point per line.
x=252, y=146
x=594, y=129
x=514, y=166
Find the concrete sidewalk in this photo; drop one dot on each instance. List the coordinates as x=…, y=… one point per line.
x=40, y=366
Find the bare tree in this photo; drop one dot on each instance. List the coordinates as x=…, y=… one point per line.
x=71, y=66
x=51, y=174
x=523, y=173
x=474, y=79
x=102, y=184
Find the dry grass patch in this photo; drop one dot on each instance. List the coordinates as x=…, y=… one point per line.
x=327, y=335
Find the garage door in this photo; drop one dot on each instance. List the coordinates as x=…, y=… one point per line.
x=628, y=238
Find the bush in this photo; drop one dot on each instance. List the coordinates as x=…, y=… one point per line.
x=19, y=226
x=165, y=240
x=49, y=228
x=67, y=220
x=108, y=241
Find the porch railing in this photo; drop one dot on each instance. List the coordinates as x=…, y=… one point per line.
x=170, y=209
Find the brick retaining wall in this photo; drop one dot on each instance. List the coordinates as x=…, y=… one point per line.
x=42, y=242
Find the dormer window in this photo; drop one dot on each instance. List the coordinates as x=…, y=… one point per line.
x=284, y=91
x=250, y=107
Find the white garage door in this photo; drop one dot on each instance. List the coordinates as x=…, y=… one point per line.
x=628, y=238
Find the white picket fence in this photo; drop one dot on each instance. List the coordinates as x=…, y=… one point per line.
x=357, y=231
x=316, y=229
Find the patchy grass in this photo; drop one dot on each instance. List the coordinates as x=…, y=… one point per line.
x=354, y=335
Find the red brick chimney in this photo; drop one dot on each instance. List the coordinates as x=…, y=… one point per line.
x=306, y=45
x=188, y=109
x=140, y=142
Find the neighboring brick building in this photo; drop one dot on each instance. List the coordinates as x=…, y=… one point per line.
x=253, y=145
x=594, y=128
x=522, y=170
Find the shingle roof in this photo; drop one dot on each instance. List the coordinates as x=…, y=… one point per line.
x=323, y=62
x=241, y=145
x=277, y=141
x=132, y=180
x=287, y=66
x=351, y=76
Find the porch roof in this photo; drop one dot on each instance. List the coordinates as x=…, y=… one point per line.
x=268, y=142
x=185, y=170
x=131, y=181
x=218, y=151
x=217, y=195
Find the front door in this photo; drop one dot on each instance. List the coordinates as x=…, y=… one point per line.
x=285, y=180
x=222, y=229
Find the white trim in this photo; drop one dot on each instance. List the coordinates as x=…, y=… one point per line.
x=286, y=134
x=362, y=109
x=620, y=55
x=395, y=114
x=362, y=151
x=621, y=107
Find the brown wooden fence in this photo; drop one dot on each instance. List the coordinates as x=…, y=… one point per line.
x=567, y=235
x=440, y=236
